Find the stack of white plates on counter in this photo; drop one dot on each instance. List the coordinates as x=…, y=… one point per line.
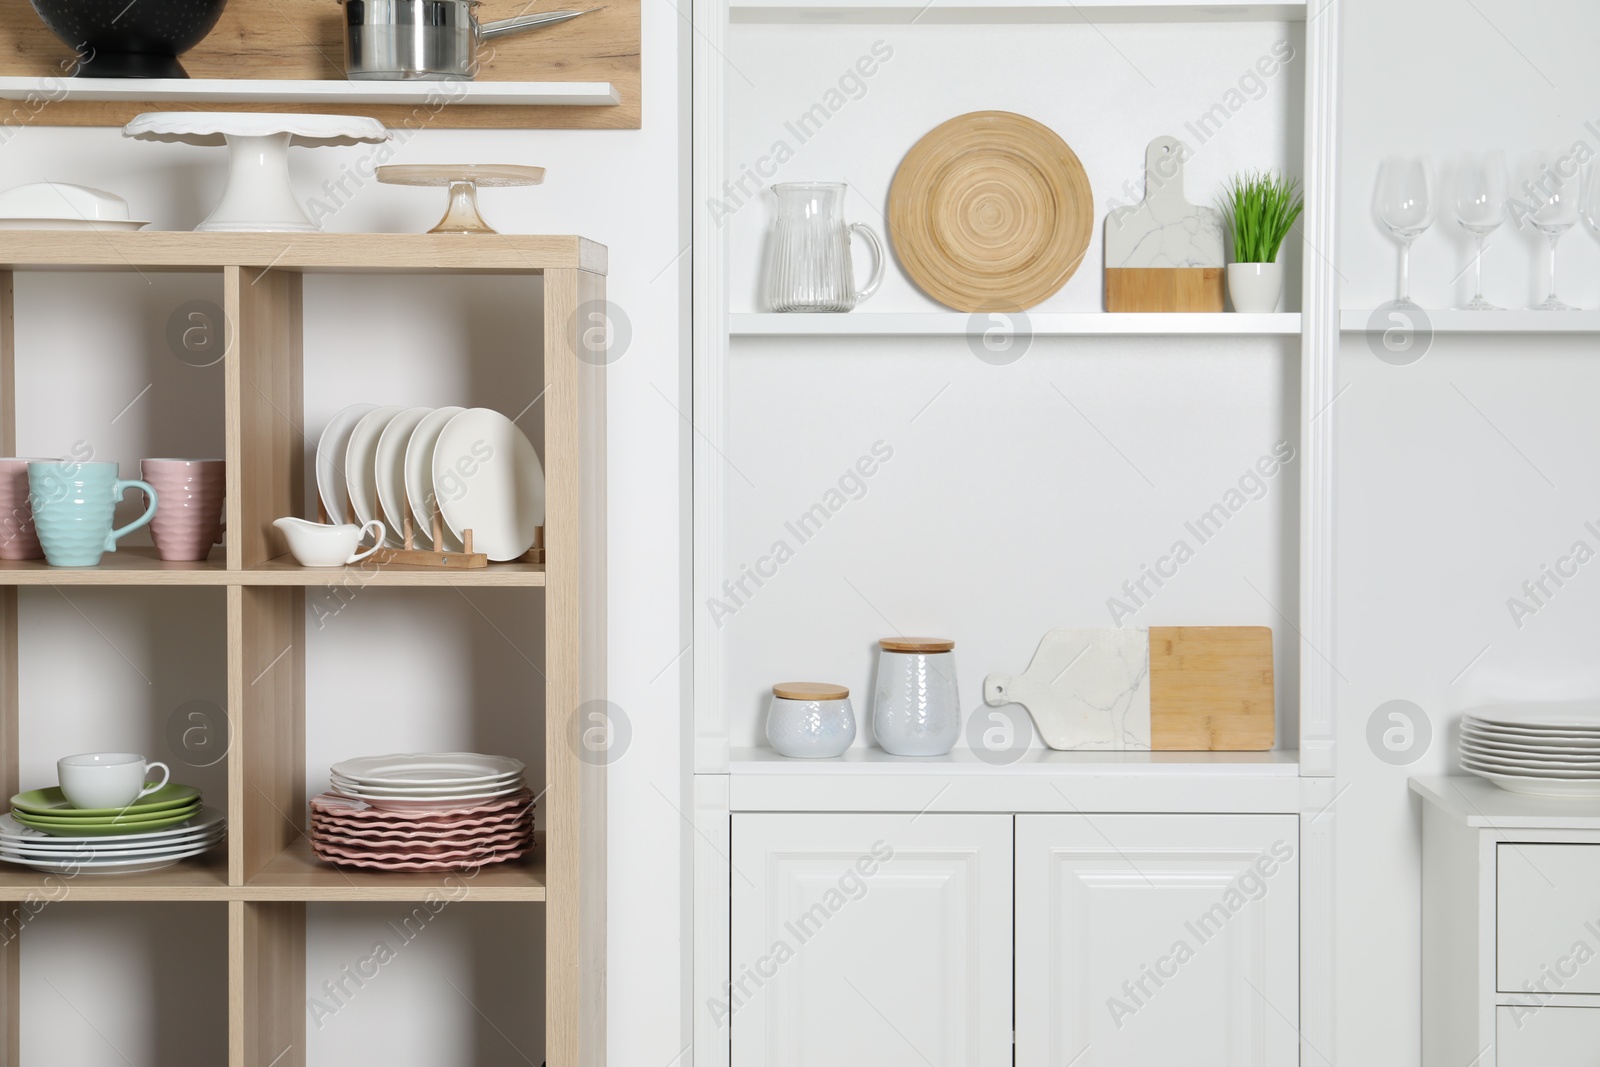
x=428, y=781
x=1545, y=750
x=99, y=853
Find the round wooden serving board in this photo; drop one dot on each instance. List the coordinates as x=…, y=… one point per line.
x=990, y=211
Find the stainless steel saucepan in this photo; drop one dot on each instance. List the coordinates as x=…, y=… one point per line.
x=424, y=40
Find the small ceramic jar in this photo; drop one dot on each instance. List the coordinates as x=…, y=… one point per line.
x=810, y=720
x=916, y=710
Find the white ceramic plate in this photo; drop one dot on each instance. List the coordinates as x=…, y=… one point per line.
x=101, y=225
x=405, y=768
x=1504, y=767
x=454, y=789
x=1585, y=716
x=52, y=844
x=488, y=479
x=360, y=464
x=85, y=866
x=431, y=803
x=1527, y=737
x=1541, y=787
x=11, y=830
x=419, y=472
x=1530, y=731
x=428, y=780
x=1555, y=762
x=465, y=792
x=331, y=448
x=1532, y=763
x=115, y=851
x=1532, y=748
x=390, y=470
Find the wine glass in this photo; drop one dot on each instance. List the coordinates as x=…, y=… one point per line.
x=1406, y=203
x=1479, y=200
x=1589, y=196
x=1551, y=200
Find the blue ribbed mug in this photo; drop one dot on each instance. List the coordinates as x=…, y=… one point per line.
x=74, y=507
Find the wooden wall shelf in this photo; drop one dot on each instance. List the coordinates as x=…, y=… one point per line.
x=188, y=94
x=582, y=74
x=265, y=875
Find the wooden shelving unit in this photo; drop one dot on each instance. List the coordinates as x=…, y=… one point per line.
x=266, y=874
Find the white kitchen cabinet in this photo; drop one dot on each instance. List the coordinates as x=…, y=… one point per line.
x=1510, y=927
x=870, y=941
x=1151, y=939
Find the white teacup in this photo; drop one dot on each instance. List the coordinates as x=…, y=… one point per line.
x=314, y=544
x=107, y=779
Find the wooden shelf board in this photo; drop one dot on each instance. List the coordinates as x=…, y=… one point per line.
x=1376, y=320
x=297, y=874
x=189, y=92
x=369, y=253
x=204, y=877
x=1013, y=11
x=285, y=571
x=136, y=565
x=951, y=323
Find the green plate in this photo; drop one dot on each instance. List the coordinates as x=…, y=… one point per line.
x=50, y=802
x=105, y=827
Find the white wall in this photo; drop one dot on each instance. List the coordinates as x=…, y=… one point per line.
x=1460, y=475
x=370, y=679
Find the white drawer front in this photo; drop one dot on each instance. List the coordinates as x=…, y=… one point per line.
x=1548, y=922
x=1547, y=1037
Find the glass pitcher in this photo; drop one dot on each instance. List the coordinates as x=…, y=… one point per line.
x=808, y=254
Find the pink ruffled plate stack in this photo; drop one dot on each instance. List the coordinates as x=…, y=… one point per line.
x=430, y=812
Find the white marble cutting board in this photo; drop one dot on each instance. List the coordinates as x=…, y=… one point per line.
x=1164, y=230
x=1087, y=688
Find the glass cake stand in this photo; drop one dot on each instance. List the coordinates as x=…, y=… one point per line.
x=464, y=180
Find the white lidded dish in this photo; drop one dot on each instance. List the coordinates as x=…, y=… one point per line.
x=810, y=720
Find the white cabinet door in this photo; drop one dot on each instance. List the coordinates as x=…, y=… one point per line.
x=870, y=941
x=1157, y=939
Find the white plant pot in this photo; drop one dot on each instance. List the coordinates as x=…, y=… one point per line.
x=1255, y=287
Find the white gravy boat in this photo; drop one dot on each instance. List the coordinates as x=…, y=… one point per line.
x=314, y=544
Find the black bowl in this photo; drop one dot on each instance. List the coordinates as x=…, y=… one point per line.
x=119, y=39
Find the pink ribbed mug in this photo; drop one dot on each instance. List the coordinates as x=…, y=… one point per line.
x=189, y=520
x=17, y=537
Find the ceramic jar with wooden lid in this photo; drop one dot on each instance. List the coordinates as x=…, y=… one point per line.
x=916, y=710
x=810, y=720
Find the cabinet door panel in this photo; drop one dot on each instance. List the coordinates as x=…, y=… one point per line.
x=870, y=941
x=1547, y=1037
x=1147, y=939
x=1546, y=917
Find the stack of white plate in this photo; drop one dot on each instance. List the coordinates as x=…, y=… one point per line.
x=475, y=465
x=428, y=781
x=1546, y=750
x=124, y=853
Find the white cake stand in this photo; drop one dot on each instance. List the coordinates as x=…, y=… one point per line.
x=259, y=196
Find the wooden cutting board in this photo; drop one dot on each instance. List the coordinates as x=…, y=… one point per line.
x=1166, y=688
x=1164, y=253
